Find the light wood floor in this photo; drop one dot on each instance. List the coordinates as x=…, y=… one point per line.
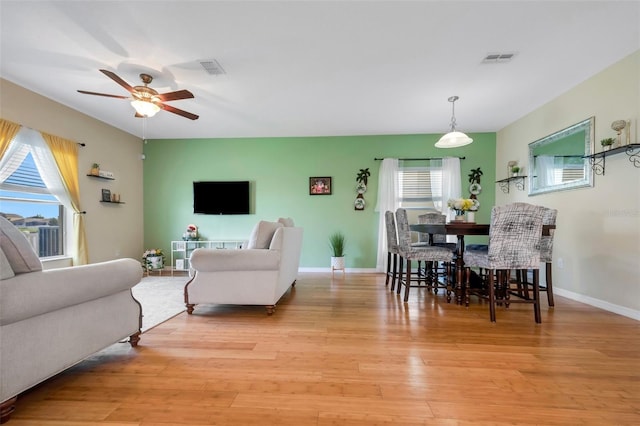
x=348, y=352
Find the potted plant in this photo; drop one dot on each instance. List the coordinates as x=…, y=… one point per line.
x=606, y=143
x=153, y=259
x=515, y=170
x=95, y=169
x=337, y=242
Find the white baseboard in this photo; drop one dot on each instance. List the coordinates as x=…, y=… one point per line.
x=616, y=309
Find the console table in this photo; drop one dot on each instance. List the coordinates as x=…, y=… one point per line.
x=181, y=250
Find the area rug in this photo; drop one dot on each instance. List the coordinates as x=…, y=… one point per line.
x=161, y=298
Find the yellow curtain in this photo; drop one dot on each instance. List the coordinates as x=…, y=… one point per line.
x=65, y=153
x=8, y=131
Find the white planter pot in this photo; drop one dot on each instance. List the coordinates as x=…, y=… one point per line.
x=471, y=217
x=337, y=263
x=155, y=262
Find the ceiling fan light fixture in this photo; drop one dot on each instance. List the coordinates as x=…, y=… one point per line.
x=145, y=108
x=453, y=139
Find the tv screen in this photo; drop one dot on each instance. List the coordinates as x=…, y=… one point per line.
x=221, y=197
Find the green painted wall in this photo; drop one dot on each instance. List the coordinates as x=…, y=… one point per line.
x=279, y=171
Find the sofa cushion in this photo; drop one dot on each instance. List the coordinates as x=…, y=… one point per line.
x=262, y=234
x=286, y=221
x=17, y=249
x=5, y=267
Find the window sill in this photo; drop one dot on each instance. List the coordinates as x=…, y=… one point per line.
x=56, y=262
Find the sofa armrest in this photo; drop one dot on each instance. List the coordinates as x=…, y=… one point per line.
x=34, y=293
x=212, y=260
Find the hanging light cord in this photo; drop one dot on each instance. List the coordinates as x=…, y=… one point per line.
x=453, y=100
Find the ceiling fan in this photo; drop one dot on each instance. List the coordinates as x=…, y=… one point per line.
x=145, y=100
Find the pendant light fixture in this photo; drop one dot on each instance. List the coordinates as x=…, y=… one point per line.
x=453, y=139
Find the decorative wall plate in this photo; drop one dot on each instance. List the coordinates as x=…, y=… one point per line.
x=359, y=204
x=361, y=188
x=475, y=188
x=476, y=204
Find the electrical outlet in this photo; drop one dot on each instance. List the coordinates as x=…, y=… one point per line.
x=560, y=263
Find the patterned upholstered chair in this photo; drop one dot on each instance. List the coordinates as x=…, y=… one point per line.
x=409, y=253
x=435, y=218
x=514, y=244
x=435, y=269
x=546, y=257
x=392, y=249
x=546, y=252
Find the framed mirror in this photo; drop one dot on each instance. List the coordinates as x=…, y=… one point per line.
x=557, y=163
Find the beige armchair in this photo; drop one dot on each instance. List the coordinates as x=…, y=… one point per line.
x=258, y=275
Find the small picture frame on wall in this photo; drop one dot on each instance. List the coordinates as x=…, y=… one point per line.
x=106, y=195
x=320, y=185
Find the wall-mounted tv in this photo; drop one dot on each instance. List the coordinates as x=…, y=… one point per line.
x=231, y=197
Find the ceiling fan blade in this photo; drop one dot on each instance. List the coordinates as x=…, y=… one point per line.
x=103, y=94
x=174, y=110
x=118, y=80
x=174, y=96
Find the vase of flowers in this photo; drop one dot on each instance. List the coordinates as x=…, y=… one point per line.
x=460, y=206
x=191, y=234
x=153, y=259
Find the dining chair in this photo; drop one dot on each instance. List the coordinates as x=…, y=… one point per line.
x=546, y=257
x=436, y=269
x=514, y=244
x=392, y=249
x=408, y=253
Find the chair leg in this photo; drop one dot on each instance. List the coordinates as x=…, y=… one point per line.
x=492, y=297
x=467, y=286
x=549, y=284
x=400, y=269
x=386, y=281
x=536, y=296
x=407, y=284
x=449, y=281
x=394, y=273
x=503, y=279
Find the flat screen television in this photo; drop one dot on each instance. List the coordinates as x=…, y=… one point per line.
x=221, y=198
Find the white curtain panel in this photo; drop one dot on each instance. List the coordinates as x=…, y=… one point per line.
x=548, y=164
x=450, y=183
x=13, y=157
x=388, y=193
x=29, y=140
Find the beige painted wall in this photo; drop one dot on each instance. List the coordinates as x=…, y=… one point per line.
x=113, y=231
x=597, y=243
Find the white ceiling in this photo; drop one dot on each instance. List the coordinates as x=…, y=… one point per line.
x=314, y=68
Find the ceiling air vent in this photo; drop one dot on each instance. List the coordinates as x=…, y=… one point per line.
x=498, y=58
x=212, y=67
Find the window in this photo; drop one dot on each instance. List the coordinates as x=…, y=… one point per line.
x=29, y=205
x=420, y=187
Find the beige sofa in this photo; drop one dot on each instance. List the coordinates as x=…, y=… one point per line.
x=257, y=275
x=51, y=320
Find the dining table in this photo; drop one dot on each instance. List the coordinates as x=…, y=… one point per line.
x=460, y=230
